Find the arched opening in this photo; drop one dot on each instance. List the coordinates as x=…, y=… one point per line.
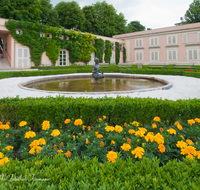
x=1, y=48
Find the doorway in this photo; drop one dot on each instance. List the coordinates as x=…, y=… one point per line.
x=1, y=48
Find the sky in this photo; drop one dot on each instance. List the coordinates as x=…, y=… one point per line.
x=151, y=13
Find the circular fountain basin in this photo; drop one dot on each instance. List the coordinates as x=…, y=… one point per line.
x=84, y=83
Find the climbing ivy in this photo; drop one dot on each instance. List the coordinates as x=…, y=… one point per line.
x=79, y=45
x=99, y=45
x=117, y=53
x=124, y=54
x=108, y=51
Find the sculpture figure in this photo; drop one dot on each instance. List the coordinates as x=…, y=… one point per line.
x=96, y=73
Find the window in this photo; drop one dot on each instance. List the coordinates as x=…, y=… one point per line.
x=62, y=37
x=184, y=38
x=19, y=31
x=192, y=54
x=63, y=60
x=154, y=41
x=172, y=40
x=42, y=34
x=49, y=35
x=66, y=37
x=198, y=36
x=138, y=43
x=172, y=55
x=121, y=47
x=139, y=56
x=154, y=55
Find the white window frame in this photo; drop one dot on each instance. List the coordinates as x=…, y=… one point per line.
x=184, y=42
x=42, y=34
x=198, y=36
x=61, y=56
x=171, y=37
x=139, y=43
x=141, y=57
x=188, y=55
x=153, y=39
x=172, y=54
x=19, y=31
x=152, y=58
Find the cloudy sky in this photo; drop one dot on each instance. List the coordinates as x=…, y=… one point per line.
x=151, y=13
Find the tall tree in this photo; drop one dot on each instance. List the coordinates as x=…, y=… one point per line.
x=134, y=26
x=102, y=19
x=48, y=14
x=26, y=10
x=192, y=15
x=70, y=15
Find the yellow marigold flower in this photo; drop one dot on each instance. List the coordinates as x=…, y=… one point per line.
x=35, y=143
x=55, y=147
x=142, y=129
x=190, y=156
x=67, y=121
x=135, y=123
x=182, y=136
x=159, y=138
x=154, y=125
x=189, y=142
x=4, y=127
x=101, y=144
x=1, y=155
x=138, y=152
x=104, y=117
x=22, y=123
x=157, y=119
x=141, y=132
x=59, y=151
x=100, y=119
x=84, y=126
x=74, y=136
x=126, y=147
x=129, y=141
x=45, y=125
x=36, y=149
x=188, y=150
x=176, y=123
x=68, y=154
x=131, y=131
x=149, y=136
x=9, y=147
x=78, y=122
x=42, y=141
x=99, y=136
x=197, y=120
x=191, y=121
x=171, y=131
x=96, y=132
x=109, y=128
x=1, y=122
x=118, y=129
x=4, y=160
x=7, y=123
x=86, y=142
x=89, y=128
x=112, y=142
x=112, y=156
x=61, y=144
x=29, y=134
x=55, y=133
x=161, y=148
x=181, y=144
x=179, y=127
x=198, y=154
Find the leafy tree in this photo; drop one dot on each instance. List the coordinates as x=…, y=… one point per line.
x=192, y=15
x=117, y=53
x=102, y=19
x=70, y=15
x=124, y=54
x=99, y=44
x=48, y=14
x=134, y=26
x=22, y=10
x=108, y=51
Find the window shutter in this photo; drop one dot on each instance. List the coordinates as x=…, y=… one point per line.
x=184, y=38
x=156, y=41
x=198, y=36
x=169, y=40
x=152, y=56
x=195, y=54
x=137, y=43
x=140, y=56
x=152, y=42
x=174, y=39
x=170, y=55
x=156, y=56
x=174, y=55
x=137, y=56
x=190, y=54
x=140, y=43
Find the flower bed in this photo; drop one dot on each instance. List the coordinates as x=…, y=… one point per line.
x=107, y=143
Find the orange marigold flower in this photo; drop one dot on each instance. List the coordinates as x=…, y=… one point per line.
x=89, y=128
x=171, y=131
x=55, y=147
x=74, y=136
x=190, y=156
x=42, y=141
x=176, y=123
x=104, y=117
x=161, y=129
x=86, y=142
x=9, y=147
x=7, y=123
x=129, y=141
x=82, y=137
x=131, y=131
x=149, y=136
x=96, y=132
x=55, y=133
x=126, y=147
x=36, y=149
x=188, y=150
x=181, y=144
x=109, y=128
x=112, y=142
x=22, y=123
x=67, y=121
x=4, y=127
x=101, y=144
x=1, y=155
x=118, y=129
x=191, y=121
x=159, y=138
x=61, y=144
x=182, y=136
x=100, y=119
x=138, y=152
x=84, y=126
x=135, y=123
x=125, y=124
x=35, y=143
x=154, y=125
x=59, y=151
x=68, y=154
x=179, y=127
x=157, y=119
x=197, y=120
x=161, y=148
x=45, y=125
x=99, y=136
x=112, y=156
x=189, y=142
x=29, y=134
x=78, y=122
x=7, y=135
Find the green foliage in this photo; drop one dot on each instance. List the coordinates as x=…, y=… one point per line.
x=22, y=10
x=117, y=52
x=99, y=44
x=192, y=14
x=124, y=54
x=70, y=15
x=108, y=51
x=52, y=51
x=134, y=26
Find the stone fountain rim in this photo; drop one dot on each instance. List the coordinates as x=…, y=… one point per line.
x=167, y=85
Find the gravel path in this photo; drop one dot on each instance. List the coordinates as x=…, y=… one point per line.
x=183, y=88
